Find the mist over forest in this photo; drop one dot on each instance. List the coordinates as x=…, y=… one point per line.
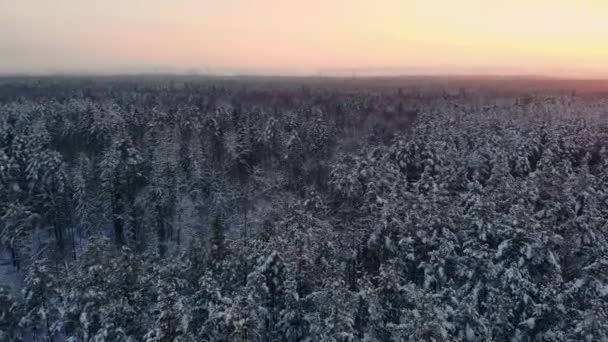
x=186, y=208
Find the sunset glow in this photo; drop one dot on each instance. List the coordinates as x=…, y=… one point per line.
x=550, y=37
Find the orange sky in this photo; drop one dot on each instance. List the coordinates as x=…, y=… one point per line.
x=551, y=37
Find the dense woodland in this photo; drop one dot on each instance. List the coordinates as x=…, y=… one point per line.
x=184, y=209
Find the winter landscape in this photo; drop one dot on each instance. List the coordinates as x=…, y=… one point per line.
x=281, y=209
x=303, y=171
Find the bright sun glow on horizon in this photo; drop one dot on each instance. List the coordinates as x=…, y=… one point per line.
x=550, y=37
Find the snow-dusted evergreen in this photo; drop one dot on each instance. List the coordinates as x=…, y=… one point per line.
x=217, y=210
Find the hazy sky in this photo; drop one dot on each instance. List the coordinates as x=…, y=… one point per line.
x=558, y=37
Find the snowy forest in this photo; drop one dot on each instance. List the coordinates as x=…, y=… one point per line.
x=224, y=209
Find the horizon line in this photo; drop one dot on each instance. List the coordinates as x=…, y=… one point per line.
x=334, y=75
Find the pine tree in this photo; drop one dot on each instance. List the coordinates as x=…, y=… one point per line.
x=267, y=283
x=40, y=300
x=172, y=313
x=10, y=313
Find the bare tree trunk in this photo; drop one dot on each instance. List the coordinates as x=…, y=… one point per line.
x=48, y=327
x=14, y=258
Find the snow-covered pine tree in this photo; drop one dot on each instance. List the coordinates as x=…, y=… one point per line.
x=10, y=314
